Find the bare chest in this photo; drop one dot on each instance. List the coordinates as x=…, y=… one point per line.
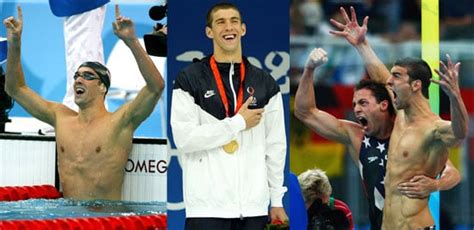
x=78, y=142
x=408, y=143
x=81, y=135
x=410, y=149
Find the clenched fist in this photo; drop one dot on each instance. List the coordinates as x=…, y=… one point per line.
x=316, y=58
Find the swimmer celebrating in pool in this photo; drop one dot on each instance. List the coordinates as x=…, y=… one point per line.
x=93, y=144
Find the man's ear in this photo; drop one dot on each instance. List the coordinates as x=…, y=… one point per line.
x=103, y=89
x=244, y=29
x=384, y=105
x=416, y=85
x=209, y=32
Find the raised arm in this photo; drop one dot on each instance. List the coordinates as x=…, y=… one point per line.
x=15, y=84
x=142, y=106
x=421, y=186
x=451, y=133
x=306, y=110
x=356, y=36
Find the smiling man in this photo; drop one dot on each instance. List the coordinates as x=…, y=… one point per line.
x=93, y=144
x=228, y=124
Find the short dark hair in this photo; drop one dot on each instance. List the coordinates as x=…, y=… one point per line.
x=379, y=91
x=101, y=70
x=220, y=6
x=417, y=69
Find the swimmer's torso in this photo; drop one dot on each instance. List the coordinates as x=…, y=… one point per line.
x=413, y=151
x=92, y=157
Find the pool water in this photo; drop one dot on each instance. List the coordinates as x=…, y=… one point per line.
x=64, y=208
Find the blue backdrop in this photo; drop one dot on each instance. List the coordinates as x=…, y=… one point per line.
x=266, y=43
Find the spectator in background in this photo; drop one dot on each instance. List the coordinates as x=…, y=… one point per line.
x=410, y=27
x=296, y=18
x=324, y=212
x=457, y=19
x=312, y=14
x=331, y=7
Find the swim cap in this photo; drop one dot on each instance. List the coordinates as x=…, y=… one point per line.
x=101, y=70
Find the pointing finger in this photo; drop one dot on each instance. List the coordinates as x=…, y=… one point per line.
x=247, y=102
x=117, y=11
x=19, y=12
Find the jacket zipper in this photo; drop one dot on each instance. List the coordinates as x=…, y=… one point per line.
x=231, y=82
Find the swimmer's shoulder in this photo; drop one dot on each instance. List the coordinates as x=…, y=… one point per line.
x=62, y=112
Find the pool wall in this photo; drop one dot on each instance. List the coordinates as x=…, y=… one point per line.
x=31, y=160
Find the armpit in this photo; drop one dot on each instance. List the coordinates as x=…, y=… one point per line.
x=445, y=134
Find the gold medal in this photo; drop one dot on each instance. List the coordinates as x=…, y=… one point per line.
x=231, y=147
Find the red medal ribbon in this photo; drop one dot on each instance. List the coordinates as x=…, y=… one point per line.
x=220, y=86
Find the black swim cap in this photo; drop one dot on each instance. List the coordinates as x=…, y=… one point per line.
x=101, y=70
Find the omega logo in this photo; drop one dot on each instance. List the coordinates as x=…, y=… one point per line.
x=146, y=166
